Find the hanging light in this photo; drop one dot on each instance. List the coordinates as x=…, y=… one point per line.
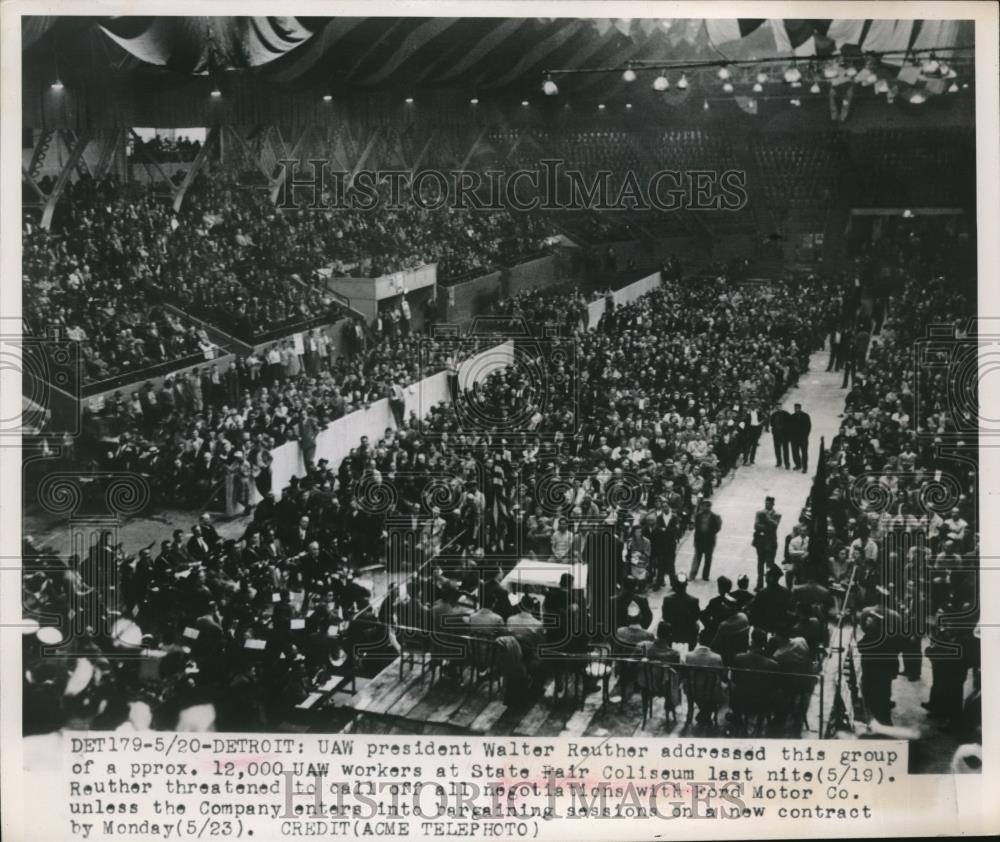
x=216, y=92
x=951, y=74
x=601, y=106
x=705, y=106
x=724, y=73
x=792, y=74
x=953, y=88
x=549, y=88
x=409, y=100
x=758, y=87
x=965, y=86
x=628, y=106
x=524, y=103
x=629, y=75
x=57, y=85
x=682, y=83
x=474, y=101
x=327, y=98
x=795, y=102
x=815, y=88
x=916, y=98
x=930, y=66
x=762, y=77
x=907, y=214
x=728, y=87
x=661, y=83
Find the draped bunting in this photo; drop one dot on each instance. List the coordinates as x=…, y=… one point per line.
x=335, y=55
x=199, y=45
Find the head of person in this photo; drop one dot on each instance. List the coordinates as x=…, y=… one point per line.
x=769, y=503
x=724, y=584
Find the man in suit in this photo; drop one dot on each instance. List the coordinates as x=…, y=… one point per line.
x=297, y=540
x=753, y=424
x=663, y=542
x=707, y=525
x=799, y=427
x=680, y=612
x=754, y=678
x=836, y=349
x=719, y=607
x=209, y=532
x=308, y=430
x=765, y=538
x=197, y=546
x=856, y=353
x=771, y=608
x=706, y=671
x=779, y=422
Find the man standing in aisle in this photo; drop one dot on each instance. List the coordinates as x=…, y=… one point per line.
x=765, y=538
x=799, y=427
x=707, y=525
x=779, y=423
x=754, y=422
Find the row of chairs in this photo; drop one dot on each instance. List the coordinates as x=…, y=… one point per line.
x=754, y=699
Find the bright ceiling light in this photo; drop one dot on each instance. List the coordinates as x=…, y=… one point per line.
x=728, y=87
x=815, y=88
x=793, y=74
x=549, y=88
x=661, y=83
x=629, y=75
x=682, y=83
x=762, y=77
x=757, y=88
x=57, y=85
x=724, y=73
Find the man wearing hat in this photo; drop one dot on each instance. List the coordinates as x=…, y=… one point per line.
x=663, y=543
x=720, y=607
x=707, y=525
x=765, y=538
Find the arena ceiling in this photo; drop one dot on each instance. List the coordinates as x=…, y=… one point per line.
x=368, y=53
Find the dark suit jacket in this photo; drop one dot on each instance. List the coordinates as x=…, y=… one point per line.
x=680, y=612
x=799, y=426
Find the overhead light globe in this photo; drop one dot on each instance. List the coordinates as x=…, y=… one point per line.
x=549, y=88
x=762, y=77
x=629, y=75
x=917, y=98
x=728, y=87
x=793, y=75
x=57, y=85
x=682, y=83
x=815, y=88
x=705, y=106
x=953, y=88
x=661, y=83
x=724, y=73
x=795, y=102
x=758, y=87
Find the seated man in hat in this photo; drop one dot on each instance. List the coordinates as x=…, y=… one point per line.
x=626, y=644
x=720, y=607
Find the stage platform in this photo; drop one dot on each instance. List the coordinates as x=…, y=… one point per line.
x=413, y=704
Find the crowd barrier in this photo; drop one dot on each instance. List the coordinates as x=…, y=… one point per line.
x=341, y=436
x=625, y=295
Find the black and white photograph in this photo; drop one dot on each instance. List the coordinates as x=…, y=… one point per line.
x=501, y=377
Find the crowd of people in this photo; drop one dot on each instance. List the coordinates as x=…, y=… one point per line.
x=82, y=282
x=902, y=494
x=674, y=385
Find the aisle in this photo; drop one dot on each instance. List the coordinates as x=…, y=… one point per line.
x=742, y=496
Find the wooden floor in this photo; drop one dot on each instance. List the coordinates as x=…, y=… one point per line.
x=413, y=705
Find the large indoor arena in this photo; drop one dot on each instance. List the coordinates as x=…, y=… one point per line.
x=501, y=377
